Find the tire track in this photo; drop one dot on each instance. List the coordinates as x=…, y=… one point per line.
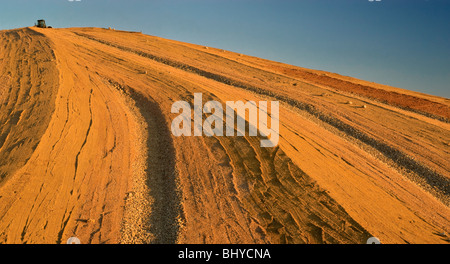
x=437, y=184
x=161, y=173
x=282, y=203
x=287, y=203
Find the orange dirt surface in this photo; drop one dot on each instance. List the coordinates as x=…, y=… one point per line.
x=86, y=148
x=415, y=102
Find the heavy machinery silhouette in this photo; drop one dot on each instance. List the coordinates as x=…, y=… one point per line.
x=41, y=24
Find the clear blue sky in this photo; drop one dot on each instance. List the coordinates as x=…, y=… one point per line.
x=403, y=43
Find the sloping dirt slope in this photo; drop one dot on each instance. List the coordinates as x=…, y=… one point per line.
x=86, y=148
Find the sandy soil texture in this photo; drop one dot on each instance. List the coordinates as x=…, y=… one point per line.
x=86, y=148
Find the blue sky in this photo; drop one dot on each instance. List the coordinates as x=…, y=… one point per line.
x=403, y=43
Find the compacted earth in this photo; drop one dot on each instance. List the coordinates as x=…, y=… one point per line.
x=86, y=148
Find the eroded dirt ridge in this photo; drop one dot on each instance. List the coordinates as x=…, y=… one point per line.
x=438, y=183
x=86, y=148
x=28, y=84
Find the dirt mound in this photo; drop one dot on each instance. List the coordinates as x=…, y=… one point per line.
x=86, y=148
